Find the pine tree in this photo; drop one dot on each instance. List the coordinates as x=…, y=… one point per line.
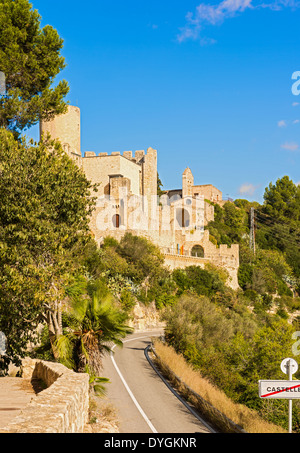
x=30, y=60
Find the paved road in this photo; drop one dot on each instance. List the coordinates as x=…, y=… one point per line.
x=144, y=402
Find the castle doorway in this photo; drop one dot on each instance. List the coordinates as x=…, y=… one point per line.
x=197, y=251
x=183, y=218
x=116, y=220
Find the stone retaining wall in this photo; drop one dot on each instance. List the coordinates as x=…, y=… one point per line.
x=145, y=317
x=61, y=408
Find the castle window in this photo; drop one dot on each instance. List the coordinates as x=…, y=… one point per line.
x=116, y=220
x=197, y=251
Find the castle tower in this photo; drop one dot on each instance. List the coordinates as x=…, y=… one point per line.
x=187, y=183
x=150, y=173
x=66, y=129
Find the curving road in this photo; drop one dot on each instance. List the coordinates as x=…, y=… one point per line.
x=145, y=404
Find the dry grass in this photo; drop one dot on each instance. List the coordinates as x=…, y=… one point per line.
x=103, y=416
x=239, y=414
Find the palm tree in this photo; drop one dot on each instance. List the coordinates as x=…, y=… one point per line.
x=92, y=326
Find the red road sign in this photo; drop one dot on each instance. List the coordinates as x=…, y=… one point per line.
x=279, y=389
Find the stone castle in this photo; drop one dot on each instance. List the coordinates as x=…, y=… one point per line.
x=127, y=201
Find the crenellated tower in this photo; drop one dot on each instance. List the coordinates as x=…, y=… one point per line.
x=66, y=129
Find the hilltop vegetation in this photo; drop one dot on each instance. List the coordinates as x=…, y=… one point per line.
x=233, y=348
x=274, y=270
x=235, y=338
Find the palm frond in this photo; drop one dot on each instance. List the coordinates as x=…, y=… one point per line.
x=97, y=383
x=96, y=323
x=65, y=348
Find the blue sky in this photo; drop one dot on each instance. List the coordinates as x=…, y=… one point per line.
x=207, y=84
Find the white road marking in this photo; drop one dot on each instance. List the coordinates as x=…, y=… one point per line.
x=127, y=387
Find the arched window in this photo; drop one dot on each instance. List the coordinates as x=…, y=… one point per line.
x=116, y=220
x=183, y=218
x=198, y=251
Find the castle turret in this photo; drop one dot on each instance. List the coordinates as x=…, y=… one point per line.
x=150, y=173
x=66, y=129
x=187, y=183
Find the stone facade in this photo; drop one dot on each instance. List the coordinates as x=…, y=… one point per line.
x=223, y=256
x=62, y=407
x=127, y=200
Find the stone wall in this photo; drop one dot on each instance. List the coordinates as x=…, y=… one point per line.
x=173, y=261
x=209, y=192
x=61, y=408
x=98, y=169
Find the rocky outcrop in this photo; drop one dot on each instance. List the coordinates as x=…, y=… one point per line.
x=145, y=317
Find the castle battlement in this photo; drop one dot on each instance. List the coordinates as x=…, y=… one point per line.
x=137, y=156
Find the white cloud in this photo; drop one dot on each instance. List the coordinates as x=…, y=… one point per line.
x=247, y=189
x=294, y=104
x=281, y=123
x=216, y=14
x=211, y=14
x=290, y=146
x=278, y=5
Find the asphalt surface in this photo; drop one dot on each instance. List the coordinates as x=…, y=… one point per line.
x=144, y=403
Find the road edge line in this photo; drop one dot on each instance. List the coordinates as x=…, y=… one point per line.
x=130, y=392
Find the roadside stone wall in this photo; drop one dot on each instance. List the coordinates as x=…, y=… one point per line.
x=61, y=408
